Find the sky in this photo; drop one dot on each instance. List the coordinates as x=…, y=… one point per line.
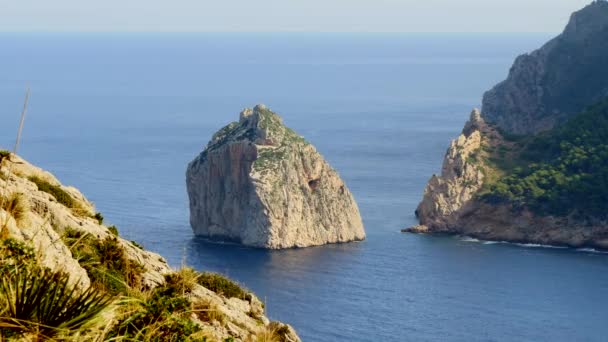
x=287, y=15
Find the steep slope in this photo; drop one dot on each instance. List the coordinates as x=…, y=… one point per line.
x=549, y=85
x=260, y=184
x=67, y=235
x=531, y=166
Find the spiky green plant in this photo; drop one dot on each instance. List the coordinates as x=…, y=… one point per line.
x=43, y=303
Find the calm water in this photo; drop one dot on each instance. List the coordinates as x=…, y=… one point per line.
x=119, y=116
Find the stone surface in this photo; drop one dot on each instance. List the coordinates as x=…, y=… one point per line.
x=547, y=86
x=47, y=219
x=451, y=204
x=543, y=89
x=460, y=178
x=260, y=184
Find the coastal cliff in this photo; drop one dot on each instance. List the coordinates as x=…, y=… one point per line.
x=550, y=85
x=260, y=184
x=530, y=167
x=48, y=228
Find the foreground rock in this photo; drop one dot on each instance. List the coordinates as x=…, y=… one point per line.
x=260, y=184
x=48, y=212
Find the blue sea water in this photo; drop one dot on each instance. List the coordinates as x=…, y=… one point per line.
x=120, y=115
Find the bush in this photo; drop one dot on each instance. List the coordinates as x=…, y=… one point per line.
x=4, y=154
x=14, y=254
x=182, y=281
x=56, y=191
x=113, y=230
x=164, y=316
x=105, y=261
x=98, y=217
x=222, y=286
x=42, y=303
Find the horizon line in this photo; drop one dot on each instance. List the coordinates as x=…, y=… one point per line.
x=272, y=32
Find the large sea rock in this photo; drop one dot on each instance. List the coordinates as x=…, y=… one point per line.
x=260, y=184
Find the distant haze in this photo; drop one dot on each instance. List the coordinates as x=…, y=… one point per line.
x=288, y=15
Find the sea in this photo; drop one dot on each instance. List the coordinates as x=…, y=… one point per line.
x=119, y=116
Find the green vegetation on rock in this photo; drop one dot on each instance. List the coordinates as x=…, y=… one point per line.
x=561, y=172
x=104, y=260
x=222, y=285
x=56, y=191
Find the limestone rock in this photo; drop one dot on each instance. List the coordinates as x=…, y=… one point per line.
x=260, y=184
x=547, y=86
x=47, y=220
x=460, y=177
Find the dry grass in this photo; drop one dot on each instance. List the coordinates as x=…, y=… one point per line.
x=208, y=311
x=183, y=280
x=17, y=206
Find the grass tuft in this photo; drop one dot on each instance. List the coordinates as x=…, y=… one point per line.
x=17, y=206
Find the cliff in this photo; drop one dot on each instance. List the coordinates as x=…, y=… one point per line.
x=550, y=85
x=530, y=167
x=260, y=184
x=147, y=300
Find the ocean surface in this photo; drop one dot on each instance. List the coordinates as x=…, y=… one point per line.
x=120, y=115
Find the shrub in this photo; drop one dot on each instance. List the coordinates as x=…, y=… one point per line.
x=134, y=243
x=164, y=316
x=98, y=217
x=113, y=230
x=105, y=261
x=17, y=206
x=222, y=285
x=182, y=281
x=14, y=254
x=4, y=154
x=56, y=191
x=43, y=303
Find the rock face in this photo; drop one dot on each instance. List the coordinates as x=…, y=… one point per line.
x=260, y=184
x=460, y=178
x=47, y=219
x=451, y=203
x=543, y=90
x=549, y=85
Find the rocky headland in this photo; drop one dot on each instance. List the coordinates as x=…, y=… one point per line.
x=260, y=184
x=528, y=167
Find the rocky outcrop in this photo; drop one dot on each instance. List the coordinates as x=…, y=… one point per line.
x=46, y=219
x=260, y=184
x=452, y=203
x=460, y=178
x=549, y=85
x=544, y=89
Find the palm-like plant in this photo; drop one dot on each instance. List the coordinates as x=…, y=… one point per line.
x=43, y=303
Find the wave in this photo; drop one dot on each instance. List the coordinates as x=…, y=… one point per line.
x=469, y=239
x=591, y=250
x=530, y=245
x=538, y=245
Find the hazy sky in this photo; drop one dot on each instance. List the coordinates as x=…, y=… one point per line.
x=288, y=15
